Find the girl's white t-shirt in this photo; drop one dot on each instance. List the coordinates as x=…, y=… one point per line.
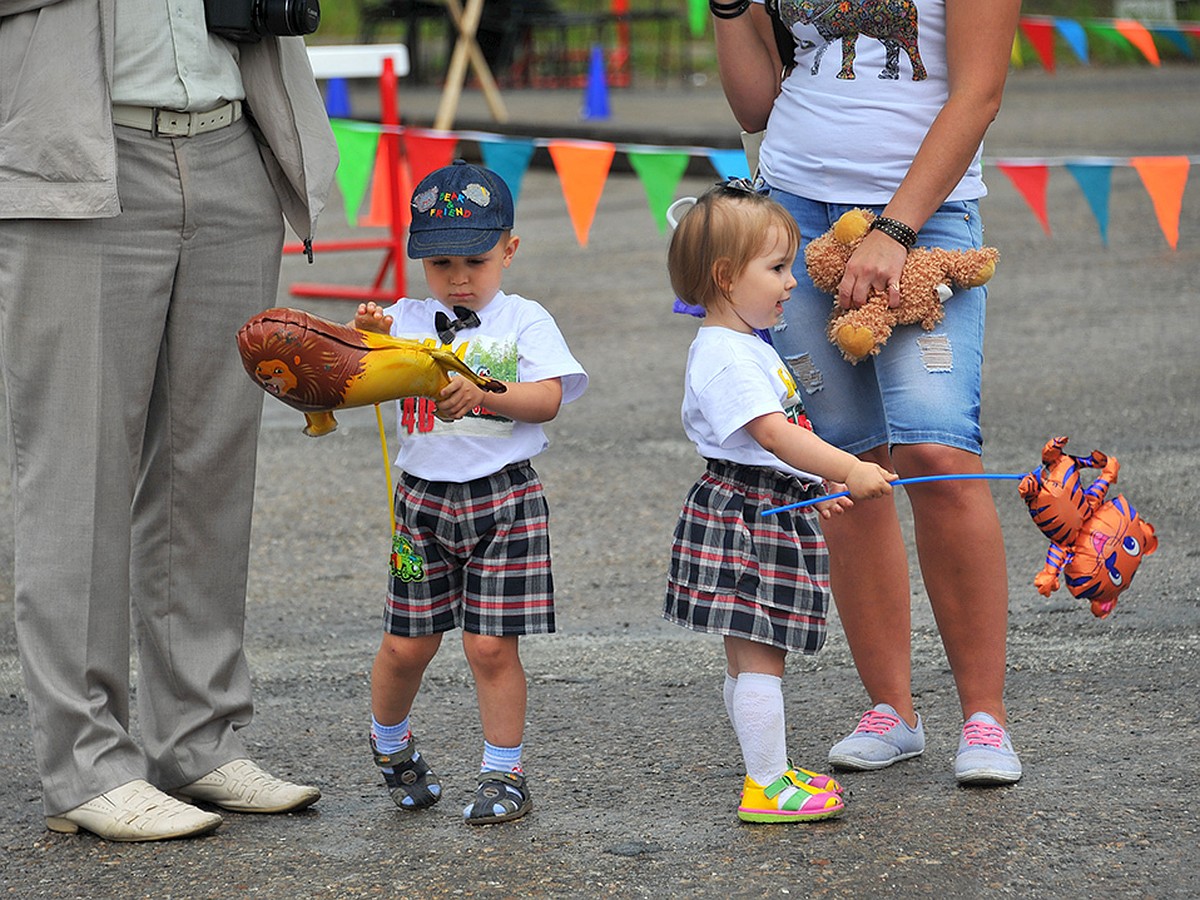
x=517, y=340
x=838, y=139
x=732, y=379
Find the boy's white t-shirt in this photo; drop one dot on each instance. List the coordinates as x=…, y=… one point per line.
x=852, y=140
x=517, y=340
x=732, y=379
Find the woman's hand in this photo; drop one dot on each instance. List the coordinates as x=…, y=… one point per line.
x=875, y=266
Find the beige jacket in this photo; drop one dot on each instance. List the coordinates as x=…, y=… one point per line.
x=57, y=147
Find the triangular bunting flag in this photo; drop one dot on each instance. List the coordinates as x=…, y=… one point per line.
x=730, y=163
x=427, y=150
x=697, y=17
x=1016, y=57
x=659, y=173
x=1075, y=37
x=509, y=160
x=1107, y=33
x=1095, y=180
x=1030, y=180
x=356, y=158
x=1136, y=34
x=1176, y=37
x=380, y=214
x=1040, y=33
x=1165, y=178
x=582, y=170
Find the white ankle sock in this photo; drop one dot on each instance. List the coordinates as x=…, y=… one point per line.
x=390, y=738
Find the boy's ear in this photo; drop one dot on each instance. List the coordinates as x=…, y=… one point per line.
x=510, y=250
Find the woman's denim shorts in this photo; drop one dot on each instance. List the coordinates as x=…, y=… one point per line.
x=923, y=387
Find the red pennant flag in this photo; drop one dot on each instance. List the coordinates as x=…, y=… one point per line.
x=1165, y=177
x=1030, y=180
x=582, y=168
x=427, y=151
x=1040, y=33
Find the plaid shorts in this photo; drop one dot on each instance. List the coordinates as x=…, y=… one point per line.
x=474, y=556
x=736, y=572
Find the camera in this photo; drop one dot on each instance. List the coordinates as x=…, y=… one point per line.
x=246, y=21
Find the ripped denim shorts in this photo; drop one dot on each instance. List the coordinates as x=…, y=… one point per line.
x=924, y=386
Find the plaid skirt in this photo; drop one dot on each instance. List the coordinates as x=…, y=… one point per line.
x=736, y=572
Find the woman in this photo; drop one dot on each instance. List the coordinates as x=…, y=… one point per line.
x=893, y=122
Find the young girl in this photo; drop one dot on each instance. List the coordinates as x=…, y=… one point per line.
x=761, y=581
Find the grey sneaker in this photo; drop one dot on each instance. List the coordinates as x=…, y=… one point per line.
x=985, y=753
x=881, y=738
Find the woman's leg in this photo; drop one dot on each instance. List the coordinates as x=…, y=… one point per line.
x=961, y=552
x=873, y=600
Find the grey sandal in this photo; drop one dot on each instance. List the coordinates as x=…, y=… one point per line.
x=410, y=782
x=500, y=797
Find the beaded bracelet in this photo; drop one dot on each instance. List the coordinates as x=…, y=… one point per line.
x=728, y=10
x=896, y=230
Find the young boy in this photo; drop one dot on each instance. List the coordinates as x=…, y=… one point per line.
x=471, y=547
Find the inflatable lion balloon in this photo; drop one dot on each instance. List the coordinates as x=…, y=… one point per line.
x=317, y=366
x=1095, y=544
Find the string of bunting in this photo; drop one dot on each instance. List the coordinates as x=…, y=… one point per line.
x=583, y=168
x=1126, y=35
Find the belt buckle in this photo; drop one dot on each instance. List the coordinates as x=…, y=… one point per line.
x=154, y=111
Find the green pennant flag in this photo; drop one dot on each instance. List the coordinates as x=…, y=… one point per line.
x=697, y=17
x=357, y=143
x=659, y=173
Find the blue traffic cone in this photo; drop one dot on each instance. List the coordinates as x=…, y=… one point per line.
x=595, y=97
x=337, y=98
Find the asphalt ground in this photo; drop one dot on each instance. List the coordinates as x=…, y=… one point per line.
x=633, y=768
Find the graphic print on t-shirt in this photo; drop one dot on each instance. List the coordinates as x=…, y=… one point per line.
x=488, y=356
x=793, y=406
x=891, y=22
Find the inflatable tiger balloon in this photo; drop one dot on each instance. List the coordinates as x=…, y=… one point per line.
x=1095, y=544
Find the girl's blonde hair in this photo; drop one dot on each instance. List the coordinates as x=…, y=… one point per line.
x=716, y=239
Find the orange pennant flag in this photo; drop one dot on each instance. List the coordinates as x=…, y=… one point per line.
x=388, y=163
x=1137, y=34
x=1040, y=33
x=582, y=168
x=1031, y=181
x=1165, y=178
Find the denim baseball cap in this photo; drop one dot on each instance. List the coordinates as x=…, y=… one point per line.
x=459, y=210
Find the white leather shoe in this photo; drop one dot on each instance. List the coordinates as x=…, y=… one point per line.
x=241, y=786
x=137, y=811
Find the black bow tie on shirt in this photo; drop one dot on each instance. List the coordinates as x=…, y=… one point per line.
x=467, y=318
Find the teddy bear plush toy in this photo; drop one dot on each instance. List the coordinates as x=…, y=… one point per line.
x=928, y=279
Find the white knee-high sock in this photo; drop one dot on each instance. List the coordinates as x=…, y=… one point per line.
x=759, y=724
x=730, y=685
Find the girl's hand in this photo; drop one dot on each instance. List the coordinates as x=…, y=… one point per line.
x=834, y=506
x=867, y=480
x=458, y=398
x=370, y=317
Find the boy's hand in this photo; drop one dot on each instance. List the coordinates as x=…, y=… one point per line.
x=458, y=398
x=370, y=317
x=836, y=505
x=867, y=480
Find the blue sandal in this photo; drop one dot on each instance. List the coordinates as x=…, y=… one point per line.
x=500, y=797
x=409, y=779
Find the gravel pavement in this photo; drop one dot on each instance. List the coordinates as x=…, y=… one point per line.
x=633, y=767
